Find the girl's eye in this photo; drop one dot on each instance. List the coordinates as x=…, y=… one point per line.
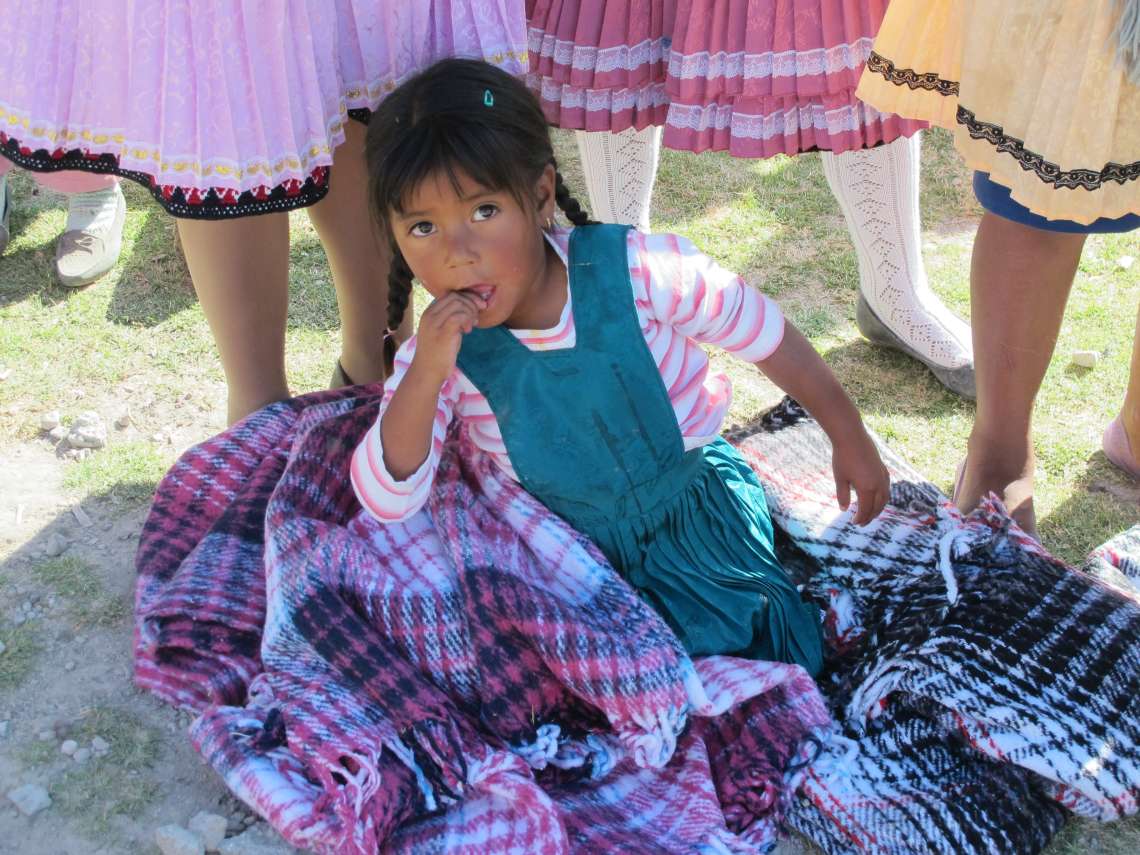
x=486, y=211
x=421, y=229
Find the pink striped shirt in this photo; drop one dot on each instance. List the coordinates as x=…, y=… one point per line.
x=682, y=298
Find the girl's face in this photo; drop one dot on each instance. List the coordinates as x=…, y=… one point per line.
x=483, y=241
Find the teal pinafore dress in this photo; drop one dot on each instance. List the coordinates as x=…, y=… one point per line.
x=592, y=434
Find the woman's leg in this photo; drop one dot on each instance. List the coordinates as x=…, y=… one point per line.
x=5, y=205
x=1124, y=450
x=72, y=181
x=619, y=170
x=358, y=256
x=1020, y=279
x=240, y=270
x=877, y=190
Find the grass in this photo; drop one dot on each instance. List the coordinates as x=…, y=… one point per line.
x=88, y=603
x=138, y=340
x=129, y=471
x=113, y=785
x=20, y=652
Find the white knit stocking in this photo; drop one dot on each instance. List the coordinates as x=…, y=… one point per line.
x=620, y=169
x=877, y=189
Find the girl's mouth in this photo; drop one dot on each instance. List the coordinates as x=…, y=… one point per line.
x=484, y=291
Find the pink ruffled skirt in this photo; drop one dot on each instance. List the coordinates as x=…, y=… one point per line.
x=222, y=107
x=751, y=77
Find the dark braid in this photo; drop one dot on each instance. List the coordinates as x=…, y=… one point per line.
x=399, y=296
x=568, y=204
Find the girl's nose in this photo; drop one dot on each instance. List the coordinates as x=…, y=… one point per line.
x=461, y=248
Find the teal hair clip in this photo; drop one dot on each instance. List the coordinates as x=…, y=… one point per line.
x=488, y=98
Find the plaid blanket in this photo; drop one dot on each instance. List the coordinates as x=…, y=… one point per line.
x=479, y=680
x=984, y=688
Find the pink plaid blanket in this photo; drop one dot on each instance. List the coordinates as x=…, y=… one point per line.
x=479, y=680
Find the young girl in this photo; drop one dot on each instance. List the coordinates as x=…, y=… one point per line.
x=573, y=359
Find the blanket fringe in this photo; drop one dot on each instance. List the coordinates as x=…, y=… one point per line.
x=540, y=753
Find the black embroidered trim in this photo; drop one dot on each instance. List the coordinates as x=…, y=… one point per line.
x=995, y=135
x=1049, y=173
x=213, y=204
x=909, y=77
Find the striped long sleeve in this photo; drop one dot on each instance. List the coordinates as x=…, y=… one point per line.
x=682, y=298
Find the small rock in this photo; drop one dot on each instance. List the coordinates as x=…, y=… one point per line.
x=69, y=747
x=69, y=666
x=19, y=619
x=175, y=840
x=210, y=827
x=1086, y=358
x=45, y=736
x=1125, y=262
x=123, y=422
x=3, y=647
x=88, y=431
x=100, y=745
x=49, y=420
x=82, y=755
x=258, y=840
x=30, y=799
x=4, y=729
x=55, y=545
x=58, y=433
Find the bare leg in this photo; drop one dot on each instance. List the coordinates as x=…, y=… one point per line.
x=1019, y=282
x=1130, y=412
x=240, y=270
x=358, y=256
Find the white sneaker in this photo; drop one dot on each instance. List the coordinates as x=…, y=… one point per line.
x=90, y=246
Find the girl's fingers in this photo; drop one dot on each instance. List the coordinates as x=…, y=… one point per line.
x=843, y=493
x=871, y=504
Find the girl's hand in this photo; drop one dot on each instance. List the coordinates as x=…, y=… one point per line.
x=855, y=462
x=441, y=331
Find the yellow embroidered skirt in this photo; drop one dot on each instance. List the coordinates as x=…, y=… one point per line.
x=1031, y=89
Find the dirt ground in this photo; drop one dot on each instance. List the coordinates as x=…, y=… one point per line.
x=67, y=578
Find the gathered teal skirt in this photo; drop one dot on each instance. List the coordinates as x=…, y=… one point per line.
x=705, y=560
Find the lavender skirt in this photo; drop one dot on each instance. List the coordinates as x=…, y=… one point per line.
x=222, y=108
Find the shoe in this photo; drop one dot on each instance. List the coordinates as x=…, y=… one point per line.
x=90, y=246
x=1118, y=449
x=5, y=215
x=960, y=381
x=340, y=378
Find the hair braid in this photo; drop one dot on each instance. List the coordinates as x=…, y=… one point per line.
x=399, y=295
x=568, y=204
